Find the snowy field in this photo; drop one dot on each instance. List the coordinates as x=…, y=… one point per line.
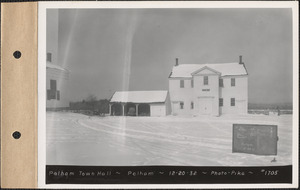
x=76, y=139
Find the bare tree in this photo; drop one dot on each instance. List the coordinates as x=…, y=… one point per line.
x=91, y=98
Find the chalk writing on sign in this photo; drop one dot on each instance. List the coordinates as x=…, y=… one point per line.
x=255, y=139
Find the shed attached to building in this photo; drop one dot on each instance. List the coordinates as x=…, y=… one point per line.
x=139, y=103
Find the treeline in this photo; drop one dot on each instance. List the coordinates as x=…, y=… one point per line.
x=91, y=105
x=284, y=106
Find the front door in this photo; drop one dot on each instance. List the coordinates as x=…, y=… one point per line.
x=205, y=106
x=175, y=108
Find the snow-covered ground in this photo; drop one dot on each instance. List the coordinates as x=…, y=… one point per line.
x=76, y=139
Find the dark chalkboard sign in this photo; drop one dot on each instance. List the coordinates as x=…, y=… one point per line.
x=255, y=139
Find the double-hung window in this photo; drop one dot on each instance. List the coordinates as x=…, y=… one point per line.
x=221, y=102
x=49, y=57
x=181, y=83
x=53, y=93
x=232, y=101
x=232, y=81
x=205, y=80
x=221, y=83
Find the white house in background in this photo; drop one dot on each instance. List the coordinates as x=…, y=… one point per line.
x=139, y=103
x=209, y=89
x=56, y=76
x=56, y=86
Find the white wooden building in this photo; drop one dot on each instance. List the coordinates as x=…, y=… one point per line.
x=209, y=89
x=56, y=87
x=139, y=103
x=56, y=75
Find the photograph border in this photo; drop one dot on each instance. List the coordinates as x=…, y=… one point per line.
x=43, y=6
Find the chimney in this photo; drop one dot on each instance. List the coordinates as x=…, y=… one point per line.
x=241, y=60
x=176, y=64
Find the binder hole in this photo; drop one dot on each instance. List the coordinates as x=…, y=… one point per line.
x=16, y=134
x=17, y=54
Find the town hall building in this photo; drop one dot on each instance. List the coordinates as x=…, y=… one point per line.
x=209, y=89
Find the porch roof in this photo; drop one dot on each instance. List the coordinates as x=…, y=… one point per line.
x=139, y=96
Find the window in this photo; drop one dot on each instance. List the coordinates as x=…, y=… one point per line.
x=221, y=102
x=49, y=57
x=53, y=85
x=181, y=83
x=205, y=80
x=192, y=83
x=232, y=81
x=232, y=101
x=221, y=83
x=51, y=93
x=192, y=105
x=181, y=105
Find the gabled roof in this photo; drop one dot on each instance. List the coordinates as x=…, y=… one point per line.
x=52, y=66
x=139, y=96
x=205, y=68
x=226, y=69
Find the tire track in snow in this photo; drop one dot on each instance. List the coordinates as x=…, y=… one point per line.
x=156, y=153
x=179, y=137
x=214, y=147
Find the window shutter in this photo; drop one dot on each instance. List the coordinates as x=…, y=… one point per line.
x=48, y=95
x=58, y=95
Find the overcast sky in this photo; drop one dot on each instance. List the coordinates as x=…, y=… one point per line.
x=110, y=50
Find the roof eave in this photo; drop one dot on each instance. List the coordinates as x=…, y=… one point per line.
x=135, y=102
x=234, y=75
x=181, y=77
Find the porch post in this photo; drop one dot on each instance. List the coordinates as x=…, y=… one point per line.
x=137, y=109
x=109, y=109
x=123, y=108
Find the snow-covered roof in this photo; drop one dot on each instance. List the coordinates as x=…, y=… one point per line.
x=186, y=70
x=52, y=66
x=139, y=96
